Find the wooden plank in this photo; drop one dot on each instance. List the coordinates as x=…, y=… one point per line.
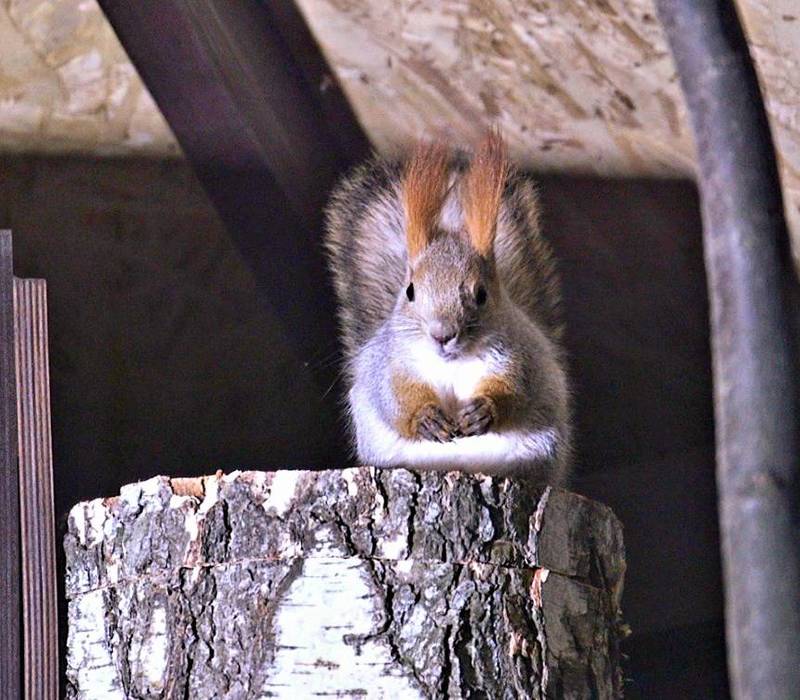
x=10, y=641
x=266, y=144
x=321, y=80
x=36, y=490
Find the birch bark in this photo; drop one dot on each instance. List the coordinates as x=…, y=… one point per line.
x=344, y=583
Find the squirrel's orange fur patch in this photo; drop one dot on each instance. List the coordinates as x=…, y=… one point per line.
x=424, y=192
x=503, y=394
x=482, y=192
x=412, y=396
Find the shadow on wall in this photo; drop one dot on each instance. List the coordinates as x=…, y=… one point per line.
x=637, y=334
x=163, y=361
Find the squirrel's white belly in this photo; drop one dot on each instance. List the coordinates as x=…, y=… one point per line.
x=454, y=380
x=379, y=443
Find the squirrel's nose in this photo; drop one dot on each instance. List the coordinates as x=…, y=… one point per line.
x=443, y=337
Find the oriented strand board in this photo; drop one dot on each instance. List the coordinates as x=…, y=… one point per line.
x=66, y=84
x=773, y=32
x=576, y=85
x=582, y=86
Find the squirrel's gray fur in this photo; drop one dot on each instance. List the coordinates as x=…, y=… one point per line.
x=368, y=263
x=368, y=258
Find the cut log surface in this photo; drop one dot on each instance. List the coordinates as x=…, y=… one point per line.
x=343, y=583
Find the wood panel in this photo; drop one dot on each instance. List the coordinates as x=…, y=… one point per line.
x=10, y=640
x=36, y=490
x=631, y=259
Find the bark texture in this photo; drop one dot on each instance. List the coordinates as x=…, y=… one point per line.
x=344, y=583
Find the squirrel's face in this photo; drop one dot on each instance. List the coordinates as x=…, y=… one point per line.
x=449, y=291
x=451, y=281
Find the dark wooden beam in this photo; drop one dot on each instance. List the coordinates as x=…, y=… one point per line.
x=266, y=128
x=10, y=609
x=336, y=110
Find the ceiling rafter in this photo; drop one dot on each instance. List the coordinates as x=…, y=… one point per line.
x=263, y=123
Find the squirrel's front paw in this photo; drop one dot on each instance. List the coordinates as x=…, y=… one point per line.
x=431, y=423
x=477, y=416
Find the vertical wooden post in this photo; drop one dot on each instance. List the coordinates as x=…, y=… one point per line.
x=749, y=269
x=40, y=621
x=10, y=657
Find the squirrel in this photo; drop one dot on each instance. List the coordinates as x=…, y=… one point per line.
x=449, y=310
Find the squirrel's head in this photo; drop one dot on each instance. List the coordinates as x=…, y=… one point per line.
x=451, y=285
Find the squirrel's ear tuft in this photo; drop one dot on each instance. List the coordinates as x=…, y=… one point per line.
x=482, y=191
x=424, y=191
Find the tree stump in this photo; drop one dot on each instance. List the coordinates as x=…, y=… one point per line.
x=345, y=583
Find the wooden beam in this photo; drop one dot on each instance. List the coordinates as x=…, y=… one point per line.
x=266, y=129
x=337, y=114
x=10, y=639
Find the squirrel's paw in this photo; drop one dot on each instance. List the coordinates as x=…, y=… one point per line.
x=432, y=424
x=477, y=416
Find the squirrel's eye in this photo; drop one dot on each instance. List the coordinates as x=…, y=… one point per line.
x=410, y=292
x=480, y=296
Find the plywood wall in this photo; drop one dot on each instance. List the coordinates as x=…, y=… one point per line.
x=583, y=86
x=66, y=84
x=577, y=85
